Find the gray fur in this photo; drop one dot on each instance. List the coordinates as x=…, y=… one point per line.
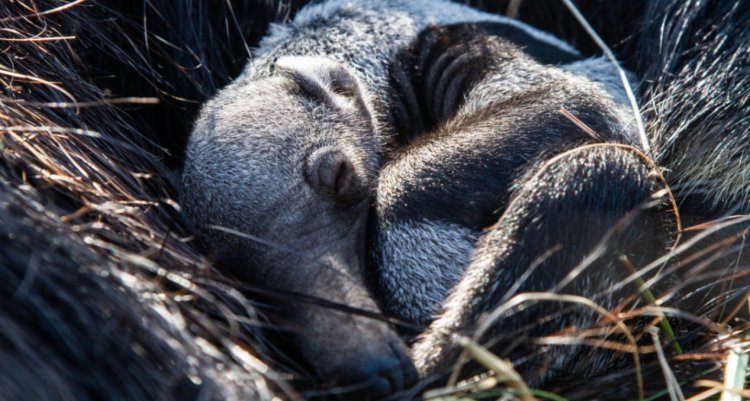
x=431, y=252
x=582, y=205
x=256, y=186
x=592, y=202
x=419, y=263
x=288, y=157
x=492, y=277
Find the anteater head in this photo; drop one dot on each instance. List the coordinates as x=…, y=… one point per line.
x=277, y=180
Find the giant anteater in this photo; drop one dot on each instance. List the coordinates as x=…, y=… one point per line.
x=104, y=300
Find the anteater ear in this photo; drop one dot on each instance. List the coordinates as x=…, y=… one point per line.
x=321, y=78
x=331, y=173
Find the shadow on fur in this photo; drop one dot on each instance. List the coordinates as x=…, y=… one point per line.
x=106, y=297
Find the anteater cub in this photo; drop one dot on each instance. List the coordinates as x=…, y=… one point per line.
x=521, y=171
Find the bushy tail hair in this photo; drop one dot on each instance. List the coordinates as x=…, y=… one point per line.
x=694, y=60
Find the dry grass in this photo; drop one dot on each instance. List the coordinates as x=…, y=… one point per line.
x=76, y=171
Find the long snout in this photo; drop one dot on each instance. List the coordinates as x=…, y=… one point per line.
x=363, y=356
x=360, y=353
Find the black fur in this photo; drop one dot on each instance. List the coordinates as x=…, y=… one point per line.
x=434, y=74
x=72, y=331
x=102, y=297
x=490, y=132
x=605, y=200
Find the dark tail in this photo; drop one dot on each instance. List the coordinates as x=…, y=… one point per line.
x=694, y=60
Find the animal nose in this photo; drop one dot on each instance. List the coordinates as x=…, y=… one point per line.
x=380, y=376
